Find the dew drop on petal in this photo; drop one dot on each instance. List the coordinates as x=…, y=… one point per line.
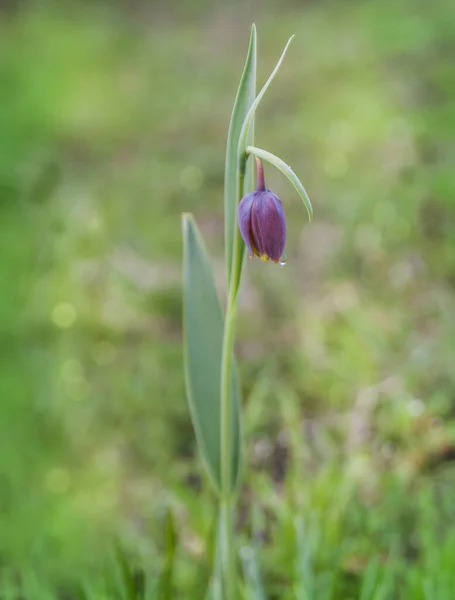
x=283, y=259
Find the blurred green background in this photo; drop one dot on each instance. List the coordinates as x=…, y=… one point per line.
x=113, y=120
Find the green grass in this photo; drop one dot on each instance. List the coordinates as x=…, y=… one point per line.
x=112, y=123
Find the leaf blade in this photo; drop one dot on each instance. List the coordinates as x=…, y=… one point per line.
x=287, y=171
x=203, y=343
x=245, y=97
x=250, y=115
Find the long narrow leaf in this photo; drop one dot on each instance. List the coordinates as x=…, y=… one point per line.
x=203, y=339
x=166, y=580
x=303, y=563
x=254, y=585
x=131, y=580
x=244, y=99
x=370, y=579
x=287, y=171
x=243, y=138
x=249, y=555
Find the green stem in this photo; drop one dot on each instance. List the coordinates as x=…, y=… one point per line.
x=227, y=497
x=227, y=550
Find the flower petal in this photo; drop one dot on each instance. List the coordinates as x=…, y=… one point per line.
x=244, y=217
x=269, y=225
x=256, y=232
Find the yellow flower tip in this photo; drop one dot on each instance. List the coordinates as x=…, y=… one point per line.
x=264, y=257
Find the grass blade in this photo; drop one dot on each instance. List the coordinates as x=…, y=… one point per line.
x=203, y=341
x=249, y=554
x=165, y=585
x=255, y=587
x=132, y=581
x=287, y=171
x=243, y=101
x=386, y=586
x=303, y=563
x=370, y=579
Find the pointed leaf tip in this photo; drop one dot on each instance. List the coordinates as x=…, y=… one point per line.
x=249, y=116
x=245, y=97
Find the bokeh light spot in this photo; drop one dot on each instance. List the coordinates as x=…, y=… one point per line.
x=94, y=224
x=64, y=315
x=416, y=407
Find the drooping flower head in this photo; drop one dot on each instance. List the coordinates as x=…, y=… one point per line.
x=262, y=221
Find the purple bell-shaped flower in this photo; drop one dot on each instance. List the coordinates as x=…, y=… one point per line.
x=262, y=221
